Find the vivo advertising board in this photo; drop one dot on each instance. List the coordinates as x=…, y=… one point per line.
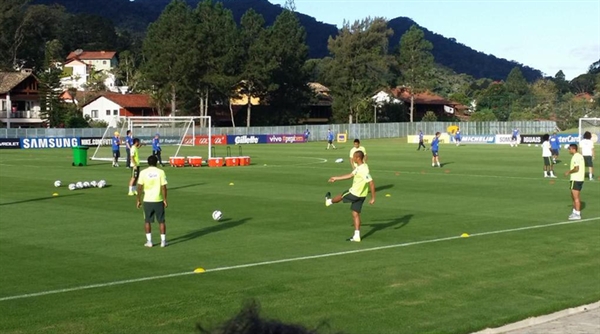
x=247, y=139
x=66, y=142
x=286, y=139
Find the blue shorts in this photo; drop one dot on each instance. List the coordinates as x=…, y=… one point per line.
x=435, y=153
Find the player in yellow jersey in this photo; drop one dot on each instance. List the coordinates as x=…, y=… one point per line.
x=135, y=166
x=577, y=173
x=361, y=184
x=152, y=184
x=357, y=147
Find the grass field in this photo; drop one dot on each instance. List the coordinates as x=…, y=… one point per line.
x=75, y=263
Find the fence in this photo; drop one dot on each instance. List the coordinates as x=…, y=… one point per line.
x=317, y=132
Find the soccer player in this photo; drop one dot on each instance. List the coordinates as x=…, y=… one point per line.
x=546, y=155
x=361, y=184
x=357, y=147
x=116, y=142
x=457, y=137
x=514, y=140
x=128, y=144
x=435, y=146
x=135, y=166
x=306, y=135
x=421, y=141
x=330, y=139
x=577, y=173
x=153, y=184
x=587, y=150
x=554, y=147
x=156, y=149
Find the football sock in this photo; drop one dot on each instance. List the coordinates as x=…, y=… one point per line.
x=163, y=237
x=357, y=233
x=149, y=237
x=577, y=212
x=591, y=176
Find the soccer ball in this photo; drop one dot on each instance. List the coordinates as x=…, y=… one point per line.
x=86, y=184
x=79, y=185
x=101, y=184
x=566, y=146
x=57, y=183
x=340, y=160
x=217, y=215
x=72, y=186
x=93, y=183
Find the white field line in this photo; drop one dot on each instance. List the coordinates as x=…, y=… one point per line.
x=294, y=259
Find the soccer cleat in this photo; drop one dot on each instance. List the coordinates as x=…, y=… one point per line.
x=148, y=244
x=552, y=176
x=354, y=239
x=131, y=193
x=328, y=199
x=163, y=244
x=574, y=216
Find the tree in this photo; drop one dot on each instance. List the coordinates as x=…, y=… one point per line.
x=213, y=55
x=429, y=117
x=496, y=99
x=167, y=39
x=52, y=109
x=12, y=22
x=416, y=63
x=256, y=63
x=359, y=65
x=288, y=90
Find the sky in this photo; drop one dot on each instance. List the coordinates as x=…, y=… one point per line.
x=545, y=35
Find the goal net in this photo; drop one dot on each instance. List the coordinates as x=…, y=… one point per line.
x=592, y=125
x=176, y=135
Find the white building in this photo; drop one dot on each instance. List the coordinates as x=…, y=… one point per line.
x=81, y=65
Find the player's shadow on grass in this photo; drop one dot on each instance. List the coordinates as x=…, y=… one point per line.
x=384, y=187
x=445, y=163
x=222, y=225
x=187, y=186
x=582, y=205
x=38, y=199
x=396, y=223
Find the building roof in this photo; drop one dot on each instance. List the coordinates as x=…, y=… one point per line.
x=80, y=54
x=127, y=100
x=9, y=80
x=420, y=98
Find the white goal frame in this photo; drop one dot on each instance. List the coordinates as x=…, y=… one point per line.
x=593, y=121
x=156, y=123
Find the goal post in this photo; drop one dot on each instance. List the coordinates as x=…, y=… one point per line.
x=591, y=124
x=175, y=133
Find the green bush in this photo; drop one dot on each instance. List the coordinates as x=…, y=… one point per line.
x=429, y=117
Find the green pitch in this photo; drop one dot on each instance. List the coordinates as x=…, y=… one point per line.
x=75, y=263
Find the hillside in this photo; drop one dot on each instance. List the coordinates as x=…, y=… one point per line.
x=136, y=15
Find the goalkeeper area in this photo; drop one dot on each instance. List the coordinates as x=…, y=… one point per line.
x=592, y=125
x=179, y=136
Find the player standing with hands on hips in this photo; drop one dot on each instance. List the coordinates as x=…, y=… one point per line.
x=435, y=146
x=577, y=173
x=116, y=150
x=361, y=184
x=153, y=184
x=135, y=167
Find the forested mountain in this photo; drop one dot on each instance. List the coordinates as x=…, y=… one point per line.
x=136, y=15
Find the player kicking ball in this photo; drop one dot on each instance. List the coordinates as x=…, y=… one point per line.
x=361, y=184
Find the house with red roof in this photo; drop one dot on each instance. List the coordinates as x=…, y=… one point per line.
x=113, y=107
x=81, y=66
x=19, y=100
x=423, y=102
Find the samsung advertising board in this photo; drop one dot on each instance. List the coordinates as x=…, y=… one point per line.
x=10, y=143
x=52, y=142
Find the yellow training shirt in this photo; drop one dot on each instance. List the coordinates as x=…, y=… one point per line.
x=360, y=183
x=577, y=160
x=152, y=179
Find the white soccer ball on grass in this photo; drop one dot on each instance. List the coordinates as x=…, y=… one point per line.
x=93, y=184
x=86, y=184
x=72, y=186
x=217, y=215
x=338, y=161
x=57, y=183
x=566, y=146
x=79, y=185
x=101, y=184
